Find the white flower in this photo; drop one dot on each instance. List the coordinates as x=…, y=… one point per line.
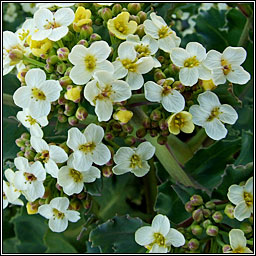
x=171, y=99
x=58, y=214
x=227, y=66
x=127, y=64
x=87, y=147
x=33, y=124
x=49, y=5
x=238, y=242
x=38, y=94
x=52, y=26
x=105, y=4
x=12, y=51
x=10, y=13
x=189, y=61
x=104, y=91
x=73, y=180
x=89, y=60
x=148, y=46
x=10, y=193
x=29, y=179
x=159, y=237
x=50, y=154
x=27, y=29
x=242, y=197
x=158, y=29
x=29, y=7
x=133, y=160
x=211, y=115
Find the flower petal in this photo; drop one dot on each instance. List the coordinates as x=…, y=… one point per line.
x=126, y=51
x=122, y=168
x=151, y=29
x=174, y=238
x=58, y=33
x=235, y=194
x=208, y=101
x=122, y=91
x=213, y=60
x=39, y=108
x=100, y=50
x=35, y=77
x=52, y=168
x=141, y=171
x=144, y=236
x=82, y=162
x=158, y=249
x=72, y=216
x=64, y=16
x=58, y=225
x=39, y=144
x=51, y=89
x=91, y=90
x=80, y=75
x=77, y=54
x=199, y=116
x=45, y=210
x=228, y=114
x=161, y=224
x=178, y=56
x=153, y=91
x=104, y=109
x=60, y=203
x=188, y=76
x=91, y=175
x=238, y=75
x=145, y=64
x=218, y=76
x=75, y=138
x=237, y=239
x=249, y=186
x=145, y=150
x=196, y=49
x=104, y=65
x=57, y=154
x=119, y=70
x=123, y=154
x=101, y=154
x=22, y=96
x=215, y=129
x=168, y=43
x=242, y=211
x=134, y=80
x=234, y=55
x=21, y=163
x=173, y=102
x=94, y=133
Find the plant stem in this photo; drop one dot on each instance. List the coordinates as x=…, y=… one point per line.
x=34, y=62
x=196, y=142
x=136, y=98
x=218, y=240
x=8, y=100
x=244, y=36
x=224, y=233
x=250, y=242
x=60, y=43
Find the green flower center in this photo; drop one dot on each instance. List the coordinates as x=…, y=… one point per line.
x=191, y=62
x=90, y=62
x=30, y=119
x=142, y=50
x=38, y=94
x=159, y=239
x=130, y=65
x=87, y=148
x=121, y=27
x=179, y=121
x=76, y=175
x=238, y=250
x=135, y=161
x=51, y=24
x=226, y=67
x=57, y=214
x=163, y=32
x=214, y=114
x=45, y=155
x=106, y=93
x=248, y=198
x=29, y=176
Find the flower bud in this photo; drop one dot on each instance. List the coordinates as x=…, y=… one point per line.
x=196, y=200
x=69, y=37
x=226, y=248
x=20, y=153
x=74, y=204
x=154, y=124
x=173, y=70
x=21, y=75
x=16, y=56
x=123, y=115
x=70, y=108
x=107, y=171
x=206, y=223
x=207, y=84
x=206, y=213
x=189, y=207
x=62, y=118
x=61, y=68
x=53, y=77
x=109, y=136
x=86, y=204
x=32, y=207
x=73, y=93
x=86, y=31
x=20, y=142
x=158, y=75
x=177, y=85
x=197, y=215
x=83, y=42
x=106, y=14
x=161, y=140
x=81, y=113
x=95, y=37
x=135, y=18
x=156, y=115
x=229, y=211
x=47, y=193
x=127, y=128
x=193, y=244
x=116, y=9
x=142, y=15
x=48, y=68
x=163, y=125
x=72, y=120
x=63, y=53
x=134, y=8
x=212, y=230
x=196, y=230
x=246, y=227
x=251, y=219
x=146, y=123
x=217, y=217
x=30, y=155
x=65, y=81
x=52, y=60
x=67, y=72
x=153, y=132
x=130, y=140
x=210, y=205
x=141, y=132
x=140, y=31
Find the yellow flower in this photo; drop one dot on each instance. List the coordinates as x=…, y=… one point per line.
x=74, y=94
x=120, y=26
x=39, y=48
x=124, y=116
x=208, y=84
x=32, y=208
x=82, y=17
x=181, y=121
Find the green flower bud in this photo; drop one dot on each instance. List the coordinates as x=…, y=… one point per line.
x=197, y=215
x=142, y=15
x=161, y=140
x=166, y=72
x=25, y=136
x=165, y=133
x=212, y=230
x=81, y=195
x=106, y=14
x=72, y=120
x=196, y=230
x=173, y=70
x=81, y=113
x=48, y=68
x=189, y=207
x=196, y=200
x=163, y=125
x=130, y=140
x=206, y=213
x=20, y=153
x=65, y=81
x=86, y=204
x=226, y=248
x=140, y=31
x=62, y=118
x=67, y=72
x=75, y=204
x=83, y=42
x=251, y=219
x=193, y=244
x=134, y=8
x=156, y=115
x=246, y=227
x=153, y=132
x=107, y=171
x=53, y=77
x=63, y=53
x=30, y=155
x=109, y=136
x=217, y=217
x=98, y=21
x=65, y=147
x=206, y=223
x=229, y=211
x=95, y=37
x=141, y=132
x=116, y=9
x=62, y=100
x=146, y=123
x=127, y=128
x=46, y=193
x=69, y=37
x=70, y=108
x=116, y=127
x=135, y=18
x=177, y=85
x=52, y=60
x=16, y=56
x=86, y=31
x=58, y=186
x=158, y=75
x=210, y=205
x=154, y=124
x=20, y=142
x=61, y=68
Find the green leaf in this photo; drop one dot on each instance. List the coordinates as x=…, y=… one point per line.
x=208, y=164
x=117, y=235
x=168, y=203
x=10, y=245
x=91, y=249
x=56, y=243
x=95, y=187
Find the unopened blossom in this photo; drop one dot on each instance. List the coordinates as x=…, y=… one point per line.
x=38, y=93
x=52, y=26
x=33, y=124
x=88, y=147
x=189, y=60
x=82, y=17
x=133, y=160
x=181, y=121
x=159, y=237
x=104, y=91
x=158, y=29
x=211, y=114
x=242, y=197
x=49, y=154
x=227, y=65
x=58, y=214
x=39, y=48
x=238, y=242
x=29, y=178
x=87, y=61
x=121, y=27
x=128, y=65
x=72, y=180
x=171, y=99
x=10, y=193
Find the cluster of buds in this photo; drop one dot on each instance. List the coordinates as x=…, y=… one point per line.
x=26, y=149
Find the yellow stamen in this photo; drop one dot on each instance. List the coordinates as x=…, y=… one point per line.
x=214, y=114
x=38, y=94
x=76, y=175
x=58, y=214
x=90, y=62
x=87, y=148
x=163, y=32
x=31, y=120
x=226, y=66
x=248, y=198
x=135, y=161
x=130, y=65
x=191, y=62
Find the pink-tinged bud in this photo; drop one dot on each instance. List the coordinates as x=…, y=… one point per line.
x=196, y=200
x=173, y=70
x=86, y=31
x=210, y=205
x=197, y=215
x=196, y=230
x=140, y=31
x=83, y=42
x=106, y=14
x=61, y=68
x=46, y=193
x=73, y=93
x=62, y=100
x=153, y=133
x=128, y=128
x=142, y=15
x=95, y=37
x=81, y=113
x=70, y=108
x=30, y=155
x=226, y=248
x=161, y=140
x=130, y=140
x=69, y=37
x=81, y=195
x=65, y=147
x=16, y=56
x=20, y=153
x=163, y=125
x=206, y=213
x=63, y=53
x=21, y=75
x=86, y=204
x=189, y=207
x=53, y=77
x=75, y=204
x=156, y=115
x=246, y=227
x=62, y=118
x=59, y=187
x=116, y=9
x=65, y=81
x=107, y=171
x=20, y=142
x=134, y=8
x=48, y=68
x=206, y=223
x=135, y=18
x=217, y=217
x=67, y=72
x=109, y=136
x=146, y=123
x=193, y=244
x=154, y=124
x=159, y=75
x=212, y=230
x=72, y=120
x=141, y=132
x=52, y=60
x=229, y=211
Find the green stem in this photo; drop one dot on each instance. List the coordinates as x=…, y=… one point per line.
x=8, y=100
x=136, y=98
x=196, y=142
x=113, y=144
x=250, y=242
x=34, y=62
x=219, y=242
x=220, y=206
x=60, y=43
x=244, y=36
x=224, y=233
